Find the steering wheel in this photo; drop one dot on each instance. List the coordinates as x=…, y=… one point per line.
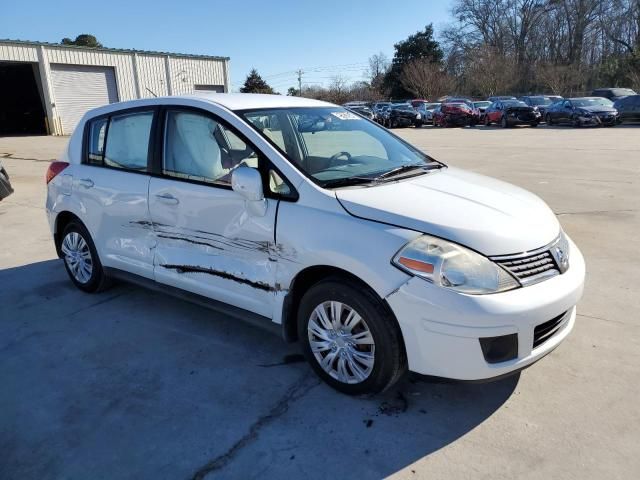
x=335, y=157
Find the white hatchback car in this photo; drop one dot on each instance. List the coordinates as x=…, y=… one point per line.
x=376, y=257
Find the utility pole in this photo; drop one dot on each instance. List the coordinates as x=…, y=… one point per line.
x=300, y=72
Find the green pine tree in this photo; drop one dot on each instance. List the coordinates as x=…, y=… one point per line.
x=255, y=84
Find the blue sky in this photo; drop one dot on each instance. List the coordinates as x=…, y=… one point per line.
x=324, y=38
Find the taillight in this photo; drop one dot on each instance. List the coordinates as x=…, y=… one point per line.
x=54, y=169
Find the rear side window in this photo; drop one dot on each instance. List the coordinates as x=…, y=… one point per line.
x=128, y=141
x=120, y=141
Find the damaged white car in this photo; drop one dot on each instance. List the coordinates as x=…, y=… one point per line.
x=373, y=255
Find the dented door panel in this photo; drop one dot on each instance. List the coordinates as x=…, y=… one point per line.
x=212, y=244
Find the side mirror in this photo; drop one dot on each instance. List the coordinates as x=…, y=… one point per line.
x=247, y=182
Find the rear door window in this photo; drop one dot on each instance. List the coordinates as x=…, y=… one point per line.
x=120, y=141
x=128, y=141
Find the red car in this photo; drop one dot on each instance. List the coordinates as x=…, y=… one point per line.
x=454, y=114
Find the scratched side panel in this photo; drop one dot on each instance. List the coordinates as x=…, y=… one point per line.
x=212, y=245
x=326, y=235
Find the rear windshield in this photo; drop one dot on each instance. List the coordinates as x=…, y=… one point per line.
x=540, y=100
x=514, y=103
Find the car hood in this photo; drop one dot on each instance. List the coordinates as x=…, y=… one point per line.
x=597, y=108
x=487, y=215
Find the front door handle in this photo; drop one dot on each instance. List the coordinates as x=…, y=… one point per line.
x=167, y=198
x=86, y=182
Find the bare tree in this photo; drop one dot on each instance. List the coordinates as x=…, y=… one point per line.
x=489, y=72
x=561, y=79
x=378, y=65
x=425, y=79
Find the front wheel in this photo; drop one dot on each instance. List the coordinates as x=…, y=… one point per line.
x=548, y=119
x=503, y=122
x=350, y=338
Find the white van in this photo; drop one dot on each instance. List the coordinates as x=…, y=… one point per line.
x=375, y=256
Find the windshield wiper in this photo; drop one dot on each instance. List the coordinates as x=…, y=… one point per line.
x=347, y=182
x=407, y=168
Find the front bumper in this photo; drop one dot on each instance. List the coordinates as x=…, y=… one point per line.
x=598, y=120
x=442, y=328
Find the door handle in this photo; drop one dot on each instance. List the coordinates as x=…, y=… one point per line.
x=86, y=182
x=167, y=198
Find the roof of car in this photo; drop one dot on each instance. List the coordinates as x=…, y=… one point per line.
x=232, y=101
x=242, y=101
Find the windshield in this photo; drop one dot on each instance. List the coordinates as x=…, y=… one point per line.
x=330, y=144
x=514, y=103
x=540, y=101
x=591, y=102
x=481, y=104
x=402, y=107
x=622, y=92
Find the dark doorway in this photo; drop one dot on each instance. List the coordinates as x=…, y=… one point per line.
x=21, y=111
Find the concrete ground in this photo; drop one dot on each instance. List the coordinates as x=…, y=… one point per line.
x=132, y=384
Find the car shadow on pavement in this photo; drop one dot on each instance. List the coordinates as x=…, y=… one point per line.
x=134, y=384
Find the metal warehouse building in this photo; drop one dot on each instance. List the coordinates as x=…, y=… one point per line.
x=46, y=88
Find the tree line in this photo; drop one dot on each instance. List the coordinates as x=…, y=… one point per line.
x=564, y=47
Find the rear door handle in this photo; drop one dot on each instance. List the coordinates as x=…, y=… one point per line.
x=167, y=198
x=86, y=182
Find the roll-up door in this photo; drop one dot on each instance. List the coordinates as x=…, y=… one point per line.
x=78, y=88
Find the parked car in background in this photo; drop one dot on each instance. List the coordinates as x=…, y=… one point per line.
x=503, y=97
x=475, y=112
x=454, y=114
x=5, y=184
x=482, y=106
x=541, y=102
x=254, y=204
x=508, y=113
x=416, y=102
x=613, y=93
x=403, y=115
x=628, y=109
x=583, y=111
x=426, y=111
x=362, y=110
x=378, y=109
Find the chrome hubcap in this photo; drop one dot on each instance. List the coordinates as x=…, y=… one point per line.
x=341, y=342
x=77, y=256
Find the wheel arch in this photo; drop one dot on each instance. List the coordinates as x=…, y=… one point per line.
x=62, y=220
x=304, y=280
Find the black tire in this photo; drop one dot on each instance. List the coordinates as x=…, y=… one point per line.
x=98, y=281
x=534, y=124
x=390, y=361
x=575, y=123
x=486, y=121
x=548, y=119
x=503, y=122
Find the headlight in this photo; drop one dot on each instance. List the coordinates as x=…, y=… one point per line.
x=452, y=266
x=418, y=116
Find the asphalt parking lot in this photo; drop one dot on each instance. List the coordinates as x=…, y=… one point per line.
x=131, y=384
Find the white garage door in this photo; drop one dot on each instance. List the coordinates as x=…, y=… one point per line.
x=78, y=88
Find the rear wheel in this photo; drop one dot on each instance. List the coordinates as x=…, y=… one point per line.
x=81, y=259
x=486, y=121
x=503, y=122
x=548, y=119
x=350, y=338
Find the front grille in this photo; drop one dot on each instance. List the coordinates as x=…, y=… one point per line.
x=530, y=268
x=546, y=330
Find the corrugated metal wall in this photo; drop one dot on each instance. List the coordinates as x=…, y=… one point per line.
x=162, y=74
